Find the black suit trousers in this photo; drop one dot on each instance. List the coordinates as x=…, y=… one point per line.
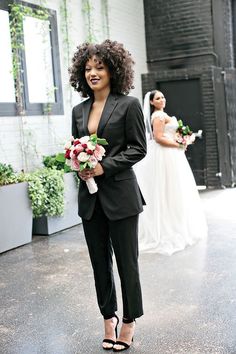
x=102, y=237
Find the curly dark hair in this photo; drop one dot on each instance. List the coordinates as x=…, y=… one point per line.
x=111, y=53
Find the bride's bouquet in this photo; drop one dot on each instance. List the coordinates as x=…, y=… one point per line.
x=184, y=134
x=85, y=152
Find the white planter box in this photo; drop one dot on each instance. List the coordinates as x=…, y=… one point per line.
x=47, y=225
x=15, y=216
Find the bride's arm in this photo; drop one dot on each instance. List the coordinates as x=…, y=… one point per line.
x=158, y=133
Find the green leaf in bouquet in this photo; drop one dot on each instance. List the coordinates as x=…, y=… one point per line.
x=82, y=166
x=102, y=141
x=186, y=130
x=89, y=164
x=93, y=138
x=180, y=123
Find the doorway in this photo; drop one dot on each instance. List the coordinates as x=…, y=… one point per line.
x=183, y=100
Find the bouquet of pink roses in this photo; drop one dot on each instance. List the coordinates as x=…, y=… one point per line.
x=184, y=135
x=85, y=152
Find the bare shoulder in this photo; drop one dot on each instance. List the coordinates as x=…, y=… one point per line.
x=159, y=115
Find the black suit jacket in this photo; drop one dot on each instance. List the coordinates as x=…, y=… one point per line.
x=122, y=125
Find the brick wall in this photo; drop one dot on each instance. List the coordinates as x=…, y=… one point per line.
x=178, y=28
x=188, y=39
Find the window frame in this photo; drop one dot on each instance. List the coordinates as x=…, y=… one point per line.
x=31, y=109
x=233, y=9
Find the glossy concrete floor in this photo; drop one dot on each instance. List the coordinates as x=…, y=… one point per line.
x=48, y=303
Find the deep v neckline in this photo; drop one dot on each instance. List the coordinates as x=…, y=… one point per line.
x=111, y=102
x=96, y=121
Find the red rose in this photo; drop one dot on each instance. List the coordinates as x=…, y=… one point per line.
x=84, y=146
x=67, y=154
x=89, y=152
x=76, y=142
x=76, y=152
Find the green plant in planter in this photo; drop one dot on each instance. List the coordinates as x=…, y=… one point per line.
x=9, y=176
x=16, y=212
x=46, y=192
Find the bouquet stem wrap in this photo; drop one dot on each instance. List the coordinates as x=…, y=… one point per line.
x=92, y=185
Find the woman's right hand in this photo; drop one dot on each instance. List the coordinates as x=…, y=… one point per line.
x=182, y=146
x=86, y=174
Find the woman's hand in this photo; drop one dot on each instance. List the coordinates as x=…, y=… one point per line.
x=91, y=172
x=86, y=174
x=182, y=146
x=98, y=170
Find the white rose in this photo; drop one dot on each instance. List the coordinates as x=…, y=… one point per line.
x=83, y=157
x=90, y=146
x=84, y=139
x=68, y=162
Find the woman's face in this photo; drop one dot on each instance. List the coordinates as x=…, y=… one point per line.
x=97, y=75
x=159, y=101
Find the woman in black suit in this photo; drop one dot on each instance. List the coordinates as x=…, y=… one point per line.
x=104, y=73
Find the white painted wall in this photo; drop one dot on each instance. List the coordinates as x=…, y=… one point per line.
x=24, y=140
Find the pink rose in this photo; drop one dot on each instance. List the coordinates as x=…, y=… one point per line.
x=75, y=165
x=93, y=161
x=99, y=152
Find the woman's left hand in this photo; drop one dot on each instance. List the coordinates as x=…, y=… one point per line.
x=98, y=170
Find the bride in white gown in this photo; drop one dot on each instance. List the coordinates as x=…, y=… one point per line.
x=173, y=217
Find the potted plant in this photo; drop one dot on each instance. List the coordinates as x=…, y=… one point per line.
x=16, y=212
x=59, y=187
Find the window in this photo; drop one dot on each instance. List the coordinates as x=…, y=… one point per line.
x=33, y=87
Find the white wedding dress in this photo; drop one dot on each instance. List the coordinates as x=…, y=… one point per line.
x=173, y=217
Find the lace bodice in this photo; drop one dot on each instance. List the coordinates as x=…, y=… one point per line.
x=170, y=128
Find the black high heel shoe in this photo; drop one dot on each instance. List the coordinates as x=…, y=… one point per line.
x=111, y=341
x=121, y=343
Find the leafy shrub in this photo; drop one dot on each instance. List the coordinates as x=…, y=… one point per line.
x=9, y=176
x=46, y=192
x=56, y=161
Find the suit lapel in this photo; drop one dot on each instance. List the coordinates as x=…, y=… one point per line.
x=110, y=104
x=86, y=109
